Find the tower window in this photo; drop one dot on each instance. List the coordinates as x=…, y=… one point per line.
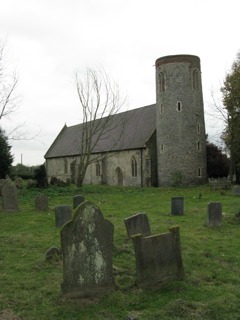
x=161, y=108
x=161, y=82
x=134, y=167
x=199, y=172
x=198, y=128
x=179, y=106
x=199, y=146
x=161, y=148
x=195, y=79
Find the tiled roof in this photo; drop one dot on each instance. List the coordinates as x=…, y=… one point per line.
x=124, y=131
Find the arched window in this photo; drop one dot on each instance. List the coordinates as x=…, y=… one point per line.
x=98, y=169
x=134, y=167
x=195, y=79
x=161, y=82
x=65, y=166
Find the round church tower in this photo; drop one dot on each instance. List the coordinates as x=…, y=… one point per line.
x=180, y=127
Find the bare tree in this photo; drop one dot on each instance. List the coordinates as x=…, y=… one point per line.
x=8, y=84
x=100, y=100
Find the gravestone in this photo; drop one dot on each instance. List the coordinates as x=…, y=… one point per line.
x=9, y=197
x=77, y=200
x=177, y=207
x=63, y=214
x=137, y=224
x=87, y=243
x=41, y=202
x=236, y=190
x=214, y=214
x=158, y=258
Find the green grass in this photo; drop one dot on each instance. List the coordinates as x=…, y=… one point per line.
x=30, y=286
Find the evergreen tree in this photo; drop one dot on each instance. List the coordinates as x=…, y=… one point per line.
x=217, y=162
x=6, y=159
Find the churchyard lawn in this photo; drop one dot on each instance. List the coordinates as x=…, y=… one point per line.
x=30, y=286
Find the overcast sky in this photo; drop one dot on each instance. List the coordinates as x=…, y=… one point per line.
x=48, y=40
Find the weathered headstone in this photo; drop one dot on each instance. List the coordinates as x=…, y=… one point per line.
x=41, y=202
x=63, y=214
x=53, y=253
x=9, y=197
x=214, y=214
x=87, y=242
x=177, y=207
x=77, y=200
x=137, y=224
x=236, y=190
x=158, y=258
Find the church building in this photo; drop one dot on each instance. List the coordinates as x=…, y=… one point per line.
x=154, y=145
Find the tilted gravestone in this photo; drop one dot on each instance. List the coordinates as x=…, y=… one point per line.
x=9, y=197
x=177, y=207
x=41, y=202
x=137, y=224
x=63, y=214
x=214, y=214
x=158, y=258
x=77, y=200
x=87, y=243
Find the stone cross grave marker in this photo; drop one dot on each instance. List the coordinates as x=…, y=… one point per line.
x=214, y=214
x=41, y=202
x=177, y=206
x=63, y=214
x=77, y=200
x=9, y=197
x=158, y=258
x=87, y=243
x=137, y=224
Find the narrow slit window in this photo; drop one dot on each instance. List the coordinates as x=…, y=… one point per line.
x=161, y=148
x=161, y=82
x=161, y=108
x=199, y=173
x=199, y=145
x=179, y=106
x=198, y=128
x=195, y=79
x=65, y=166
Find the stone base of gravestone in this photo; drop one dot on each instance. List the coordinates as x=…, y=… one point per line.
x=214, y=214
x=236, y=190
x=177, y=206
x=137, y=224
x=77, y=200
x=158, y=258
x=9, y=197
x=87, y=243
x=63, y=214
x=41, y=202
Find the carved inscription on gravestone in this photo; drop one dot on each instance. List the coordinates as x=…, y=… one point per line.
x=87, y=242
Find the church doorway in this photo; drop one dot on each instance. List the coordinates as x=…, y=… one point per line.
x=119, y=175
